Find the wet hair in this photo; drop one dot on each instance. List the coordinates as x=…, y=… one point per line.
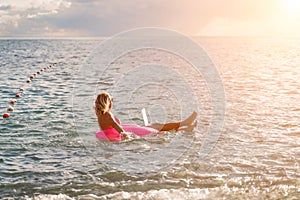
x=102, y=103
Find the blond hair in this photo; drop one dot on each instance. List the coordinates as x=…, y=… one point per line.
x=102, y=103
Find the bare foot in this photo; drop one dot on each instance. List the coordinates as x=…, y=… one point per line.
x=189, y=128
x=188, y=121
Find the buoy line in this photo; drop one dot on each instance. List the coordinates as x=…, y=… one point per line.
x=18, y=95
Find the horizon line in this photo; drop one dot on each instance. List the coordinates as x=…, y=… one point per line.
x=105, y=37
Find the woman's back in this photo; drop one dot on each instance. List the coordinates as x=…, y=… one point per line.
x=105, y=120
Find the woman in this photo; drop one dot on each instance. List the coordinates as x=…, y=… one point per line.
x=113, y=130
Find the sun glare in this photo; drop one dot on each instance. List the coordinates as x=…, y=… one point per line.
x=293, y=6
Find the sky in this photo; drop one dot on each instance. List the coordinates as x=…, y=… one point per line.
x=96, y=18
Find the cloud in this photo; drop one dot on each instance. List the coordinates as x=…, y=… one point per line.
x=16, y=17
x=107, y=17
x=98, y=18
x=5, y=7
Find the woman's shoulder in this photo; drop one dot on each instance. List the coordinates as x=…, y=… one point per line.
x=106, y=115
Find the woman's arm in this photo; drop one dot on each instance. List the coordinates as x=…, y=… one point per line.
x=115, y=124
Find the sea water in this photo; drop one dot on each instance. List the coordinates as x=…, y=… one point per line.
x=48, y=151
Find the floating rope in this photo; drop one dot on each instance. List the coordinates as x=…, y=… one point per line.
x=13, y=102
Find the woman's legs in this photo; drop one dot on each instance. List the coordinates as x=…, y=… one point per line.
x=174, y=125
x=165, y=127
x=189, y=128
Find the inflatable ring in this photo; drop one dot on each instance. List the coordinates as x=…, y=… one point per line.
x=113, y=135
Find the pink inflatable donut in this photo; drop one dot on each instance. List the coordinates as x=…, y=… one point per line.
x=113, y=135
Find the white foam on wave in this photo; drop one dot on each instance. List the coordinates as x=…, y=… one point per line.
x=50, y=197
x=162, y=194
x=223, y=192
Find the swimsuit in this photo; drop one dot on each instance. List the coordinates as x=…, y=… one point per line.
x=113, y=135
